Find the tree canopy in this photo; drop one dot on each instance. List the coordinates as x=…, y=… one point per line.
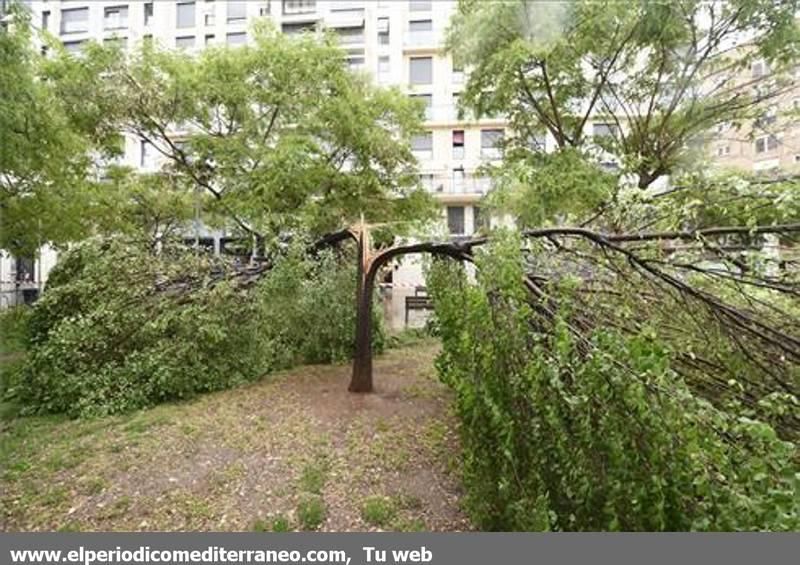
x=658, y=74
x=278, y=135
x=271, y=138
x=48, y=141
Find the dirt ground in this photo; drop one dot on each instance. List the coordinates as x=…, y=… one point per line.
x=294, y=451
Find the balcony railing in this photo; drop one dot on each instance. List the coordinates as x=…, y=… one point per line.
x=456, y=184
x=420, y=39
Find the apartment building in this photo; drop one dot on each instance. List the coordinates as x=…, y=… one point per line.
x=399, y=42
x=769, y=143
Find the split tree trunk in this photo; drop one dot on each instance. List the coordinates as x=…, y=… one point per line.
x=361, y=380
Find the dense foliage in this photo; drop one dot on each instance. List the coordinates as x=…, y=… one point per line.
x=50, y=128
x=655, y=77
x=273, y=136
x=121, y=327
x=266, y=138
x=565, y=431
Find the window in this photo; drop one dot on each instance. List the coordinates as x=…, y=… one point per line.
x=458, y=144
x=458, y=74
x=147, y=157
x=491, y=141
x=185, y=14
x=766, y=143
x=459, y=184
x=355, y=63
x=419, y=5
x=420, y=25
x=420, y=31
x=299, y=6
x=350, y=35
x=237, y=12
x=456, y=112
x=292, y=29
x=119, y=41
x=604, y=130
x=384, y=65
x=115, y=17
x=428, y=100
x=186, y=42
x=148, y=13
x=74, y=47
x=422, y=145
x=263, y=10
x=75, y=20
x=236, y=38
x=723, y=150
x=26, y=269
x=46, y=19
x=420, y=70
x=383, y=31
x=455, y=220
x=209, y=39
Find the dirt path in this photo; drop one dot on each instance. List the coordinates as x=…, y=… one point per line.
x=295, y=451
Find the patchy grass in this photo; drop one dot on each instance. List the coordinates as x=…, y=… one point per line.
x=313, y=476
x=281, y=524
x=296, y=451
x=378, y=510
x=311, y=512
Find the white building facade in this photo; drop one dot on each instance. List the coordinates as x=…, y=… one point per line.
x=399, y=42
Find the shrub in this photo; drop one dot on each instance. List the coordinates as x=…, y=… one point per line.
x=308, y=306
x=120, y=327
x=564, y=434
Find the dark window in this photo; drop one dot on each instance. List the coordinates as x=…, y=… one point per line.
x=458, y=144
x=26, y=269
x=455, y=220
x=767, y=143
x=148, y=13
x=46, y=19
x=383, y=31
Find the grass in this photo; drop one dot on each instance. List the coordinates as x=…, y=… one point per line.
x=378, y=510
x=294, y=445
x=314, y=475
x=311, y=512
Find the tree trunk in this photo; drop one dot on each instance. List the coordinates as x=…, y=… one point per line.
x=361, y=380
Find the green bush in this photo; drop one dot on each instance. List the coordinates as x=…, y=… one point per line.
x=308, y=306
x=311, y=512
x=562, y=434
x=120, y=327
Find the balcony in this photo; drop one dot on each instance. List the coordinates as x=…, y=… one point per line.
x=421, y=39
x=457, y=184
